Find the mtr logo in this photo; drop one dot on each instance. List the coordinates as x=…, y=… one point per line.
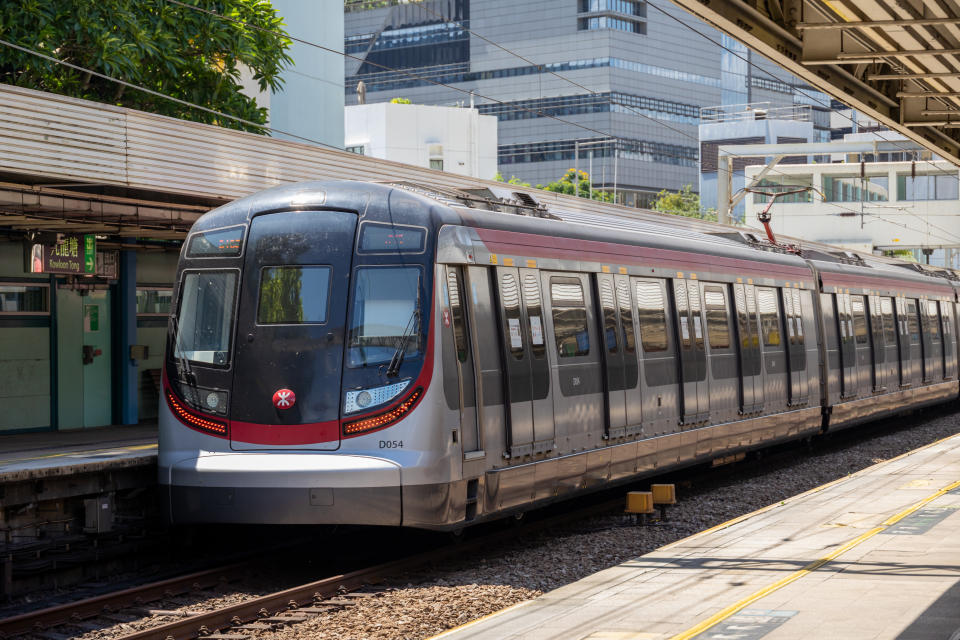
x=284, y=399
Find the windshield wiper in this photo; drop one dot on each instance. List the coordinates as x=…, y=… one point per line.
x=184, y=370
x=394, y=369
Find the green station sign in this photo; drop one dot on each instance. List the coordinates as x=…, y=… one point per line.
x=71, y=254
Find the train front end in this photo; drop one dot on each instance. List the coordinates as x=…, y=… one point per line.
x=299, y=356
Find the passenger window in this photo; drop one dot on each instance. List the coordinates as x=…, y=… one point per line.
x=456, y=310
x=769, y=318
x=626, y=315
x=718, y=329
x=859, y=319
x=510, y=298
x=683, y=312
x=913, y=321
x=608, y=304
x=798, y=317
x=934, y=314
x=651, y=316
x=889, y=330
x=531, y=298
x=569, y=317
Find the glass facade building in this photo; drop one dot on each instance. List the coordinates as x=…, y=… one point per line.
x=616, y=67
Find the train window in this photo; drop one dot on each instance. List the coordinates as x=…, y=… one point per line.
x=30, y=298
x=683, y=312
x=913, y=321
x=390, y=238
x=889, y=330
x=531, y=298
x=205, y=317
x=769, y=318
x=293, y=295
x=510, y=299
x=219, y=242
x=626, y=315
x=608, y=304
x=456, y=310
x=798, y=317
x=651, y=316
x=718, y=329
x=693, y=291
x=569, y=317
x=859, y=319
x=933, y=312
x=387, y=313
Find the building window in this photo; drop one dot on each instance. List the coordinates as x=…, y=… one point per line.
x=854, y=189
x=643, y=150
x=24, y=298
x=153, y=301
x=436, y=163
x=780, y=184
x=936, y=187
x=628, y=7
x=609, y=22
x=356, y=148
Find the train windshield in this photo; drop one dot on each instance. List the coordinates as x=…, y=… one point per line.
x=205, y=319
x=386, y=307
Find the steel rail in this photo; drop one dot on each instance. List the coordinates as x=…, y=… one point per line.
x=109, y=602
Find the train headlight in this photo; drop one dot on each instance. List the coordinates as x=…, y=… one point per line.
x=357, y=400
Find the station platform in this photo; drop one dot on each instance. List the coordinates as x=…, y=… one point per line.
x=873, y=555
x=30, y=456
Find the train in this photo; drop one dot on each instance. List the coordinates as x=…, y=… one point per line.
x=402, y=355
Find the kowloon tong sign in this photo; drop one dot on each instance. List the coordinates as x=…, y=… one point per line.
x=71, y=253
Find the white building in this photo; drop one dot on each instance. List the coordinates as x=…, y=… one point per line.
x=454, y=139
x=873, y=206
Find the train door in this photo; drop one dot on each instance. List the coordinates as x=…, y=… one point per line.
x=917, y=355
x=878, y=352
x=722, y=356
x=848, y=347
x=891, y=344
x=612, y=356
x=949, y=340
x=934, y=331
x=659, y=354
x=578, y=374
x=796, y=353
x=861, y=337
x=774, y=353
x=463, y=351
x=542, y=403
x=831, y=336
x=631, y=369
x=488, y=374
x=291, y=324
x=748, y=345
x=515, y=346
x=693, y=367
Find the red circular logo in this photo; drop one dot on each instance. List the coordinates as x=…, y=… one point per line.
x=284, y=399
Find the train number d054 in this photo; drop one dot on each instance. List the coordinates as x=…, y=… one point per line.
x=391, y=444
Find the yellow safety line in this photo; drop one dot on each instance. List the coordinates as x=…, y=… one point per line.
x=799, y=496
x=813, y=566
x=81, y=453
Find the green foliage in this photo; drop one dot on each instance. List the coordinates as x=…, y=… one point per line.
x=683, y=203
x=568, y=184
x=903, y=254
x=401, y=101
x=186, y=54
x=513, y=180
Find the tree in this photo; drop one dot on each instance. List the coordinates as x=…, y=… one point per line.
x=569, y=184
x=400, y=101
x=513, y=180
x=683, y=203
x=902, y=254
x=180, y=52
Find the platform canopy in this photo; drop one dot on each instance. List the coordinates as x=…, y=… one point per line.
x=898, y=62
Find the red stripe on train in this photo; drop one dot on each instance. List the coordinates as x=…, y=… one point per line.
x=522, y=244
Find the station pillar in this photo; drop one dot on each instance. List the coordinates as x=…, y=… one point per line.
x=127, y=370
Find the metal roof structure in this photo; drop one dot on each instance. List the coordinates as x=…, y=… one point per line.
x=898, y=62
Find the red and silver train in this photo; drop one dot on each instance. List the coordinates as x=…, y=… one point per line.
x=375, y=354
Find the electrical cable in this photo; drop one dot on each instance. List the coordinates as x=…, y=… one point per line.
x=162, y=95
